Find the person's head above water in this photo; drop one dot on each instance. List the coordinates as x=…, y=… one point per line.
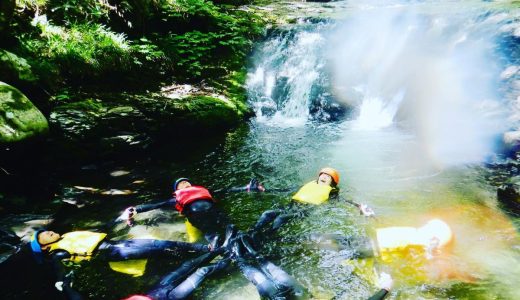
x=181, y=183
x=435, y=231
x=328, y=176
x=42, y=238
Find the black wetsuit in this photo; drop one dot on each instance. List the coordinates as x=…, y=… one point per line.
x=270, y=280
x=278, y=217
x=203, y=214
x=123, y=250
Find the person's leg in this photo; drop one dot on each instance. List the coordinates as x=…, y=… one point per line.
x=143, y=248
x=286, y=283
x=265, y=286
x=188, y=267
x=266, y=218
x=282, y=219
x=185, y=288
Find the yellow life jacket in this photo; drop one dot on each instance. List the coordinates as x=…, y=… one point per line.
x=134, y=267
x=397, y=241
x=194, y=234
x=313, y=193
x=79, y=244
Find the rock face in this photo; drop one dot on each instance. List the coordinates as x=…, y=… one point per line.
x=19, y=118
x=112, y=123
x=509, y=196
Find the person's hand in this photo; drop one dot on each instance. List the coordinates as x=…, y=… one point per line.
x=385, y=281
x=366, y=211
x=255, y=186
x=128, y=215
x=67, y=281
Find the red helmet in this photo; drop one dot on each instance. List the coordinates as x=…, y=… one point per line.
x=331, y=172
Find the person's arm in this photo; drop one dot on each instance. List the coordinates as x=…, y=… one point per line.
x=386, y=283
x=131, y=212
x=253, y=186
x=381, y=294
x=63, y=280
x=363, y=208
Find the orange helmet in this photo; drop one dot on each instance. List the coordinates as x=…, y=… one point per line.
x=332, y=173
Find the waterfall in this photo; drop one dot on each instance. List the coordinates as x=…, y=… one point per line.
x=433, y=73
x=288, y=73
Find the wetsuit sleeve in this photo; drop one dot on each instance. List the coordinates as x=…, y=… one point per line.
x=379, y=295
x=240, y=189
x=57, y=265
x=152, y=206
x=59, y=270
x=283, y=190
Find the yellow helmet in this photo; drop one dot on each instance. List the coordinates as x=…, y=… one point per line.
x=332, y=173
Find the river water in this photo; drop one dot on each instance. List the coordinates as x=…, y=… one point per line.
x=406, y=100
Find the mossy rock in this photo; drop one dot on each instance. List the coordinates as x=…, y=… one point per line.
x=209, y=111
x=19, y=118
x=15, y=69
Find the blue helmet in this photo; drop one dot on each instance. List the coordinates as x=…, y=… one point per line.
x=176, y=183
x=35, y=245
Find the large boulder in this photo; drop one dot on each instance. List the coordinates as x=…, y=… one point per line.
x=19, y=118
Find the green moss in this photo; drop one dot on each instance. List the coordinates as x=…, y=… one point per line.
x=19, y=118
x=89, y=105
x=13, y=67
x=209, y=111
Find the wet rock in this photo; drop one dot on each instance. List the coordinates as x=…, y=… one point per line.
x=119, y=173
x=10, y=244
x=107, y=124
x=509, y=145
x=509, y=196
x=14, y=68
x=19, y=118
x=326, y=108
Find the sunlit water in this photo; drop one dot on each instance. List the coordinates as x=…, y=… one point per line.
x=423, y=81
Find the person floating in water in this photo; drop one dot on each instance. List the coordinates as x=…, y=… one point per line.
x=315, y=192
x=78, y=246
x=196, y=203
x=416, y=254
x=199, y=207
x=271, y=281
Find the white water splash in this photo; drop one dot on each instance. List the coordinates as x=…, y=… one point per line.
x=375, y=113
x=281, y=85
x=445, y=64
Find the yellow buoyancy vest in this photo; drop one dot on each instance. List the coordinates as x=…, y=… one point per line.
x=79, y=244
x=194, y=234
x=393, y=241
x=313, y=193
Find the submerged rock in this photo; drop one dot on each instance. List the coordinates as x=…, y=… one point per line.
x=19, y=118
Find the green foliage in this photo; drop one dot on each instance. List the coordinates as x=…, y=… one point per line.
x=70, y=12
x=217, y=46
x=146, y=51
x=83, y=43
x=86, y=50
